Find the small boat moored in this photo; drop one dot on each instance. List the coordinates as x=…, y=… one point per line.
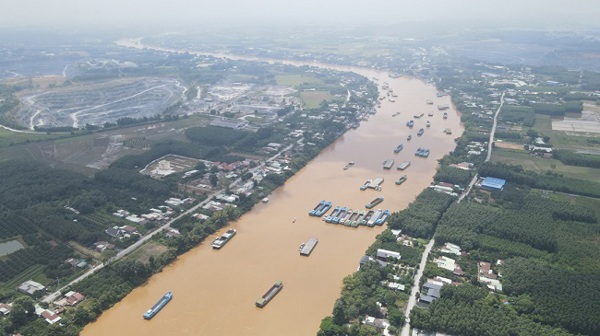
x=374, y=202
x=223, y=239
x=401, y=180
x=158, y=305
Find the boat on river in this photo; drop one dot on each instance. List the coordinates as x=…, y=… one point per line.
x=367, y=217
x=388, y=164
x=445, y=115
x=395, y=114
x=408, y=137
x=316, y=208
x=270, y=294
x=158, y=305
x=399, y=148
x=339, y=216
x=401, y=179
x=307, y=248
x=429, y=101
x=320, y=209
x=223, y=239
x=348, y=165
x=420, y=132
x=374, y=202
x=428, y=124
x=347, y=216
x=382, y=218
x=403, y=165
x=410, y=123
x=374, y=218
x=333, y=213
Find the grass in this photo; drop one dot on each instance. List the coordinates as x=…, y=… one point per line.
x=148, y=250
x=296, y=80
x=313, y=99
x=543, y=164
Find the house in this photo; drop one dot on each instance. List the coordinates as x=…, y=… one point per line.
x=172, y=233
x=73, y=298
x=493, y=183
x=49, y=316
x=431, y=291
x=366, y=258
x=485, y=270
x=114, y=232
x=451, y=249
x=72, y=261
x=128, y=229
x=375, y=322
x=386, y=255
x=5, y=309
x=101, y=246
x=30, y=287
x=445, y=263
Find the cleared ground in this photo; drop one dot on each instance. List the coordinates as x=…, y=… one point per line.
x=313, y=99
x=586, y=123
x=543, y=164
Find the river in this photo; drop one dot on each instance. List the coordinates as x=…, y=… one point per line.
x=214, y=291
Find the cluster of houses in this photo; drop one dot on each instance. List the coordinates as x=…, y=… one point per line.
x=51, y=314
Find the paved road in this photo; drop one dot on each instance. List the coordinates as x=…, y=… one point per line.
x=489, y=152
x=412, y=300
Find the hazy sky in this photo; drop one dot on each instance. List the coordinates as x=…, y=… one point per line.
x=164, y=13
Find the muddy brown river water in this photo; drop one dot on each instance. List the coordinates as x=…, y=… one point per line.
x=214, y=291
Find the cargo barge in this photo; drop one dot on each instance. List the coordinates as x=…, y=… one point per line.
x=270, y=294
x=223, y=239
x=401, y=180
x=307, y=248
x=403, y=165
x=420, y=132
x=374, y=202
x=158, y=305
x=388, y=164
x=399, y=148
x=382, y=218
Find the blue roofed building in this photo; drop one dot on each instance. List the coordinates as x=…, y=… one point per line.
x=493, y=183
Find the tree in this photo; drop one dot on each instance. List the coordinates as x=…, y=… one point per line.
x=213, y=180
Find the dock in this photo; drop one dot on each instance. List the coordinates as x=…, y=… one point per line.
x=307, y=248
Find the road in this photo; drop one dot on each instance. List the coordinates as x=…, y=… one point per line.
x=489, y=152
x=412, y=300
x=55, y=295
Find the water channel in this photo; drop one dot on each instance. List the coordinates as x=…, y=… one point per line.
x=214, y=291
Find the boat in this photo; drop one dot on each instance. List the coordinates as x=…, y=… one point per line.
x=382, y=218
x=401, y=179
x=306, y=248
x=350, y=221
x=270, y=294
x=326, y=206
x=158, y=305
x=348, y=165
x=359, y=219
x=365, y=185
x=387, y=164
x=445, y=115
x=332, y=214
x=448, y=131
x=430, y=114
x=410, y=123
x=408, y=137
x=344, y=219
x=429, y=101
x=420, y=132
x=439, y=94
x=428, y=124
x=395, y=114
x=340, y=215
x=223, y=239
x=265, y=200
x=317, y=207
x=418, y=115
x=374, y=202
x=367, y=217
x=399, y=148
x=422, y=152
x=403, y=165
x=374, y=218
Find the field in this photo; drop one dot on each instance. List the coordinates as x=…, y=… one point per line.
x=176, y=164
x=148, y=250
x=296, y=80
x=543, y=164
x=8, y=138
x=313, y=99
x=544, y=124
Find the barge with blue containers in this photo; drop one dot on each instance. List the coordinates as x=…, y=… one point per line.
x=158, y=305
